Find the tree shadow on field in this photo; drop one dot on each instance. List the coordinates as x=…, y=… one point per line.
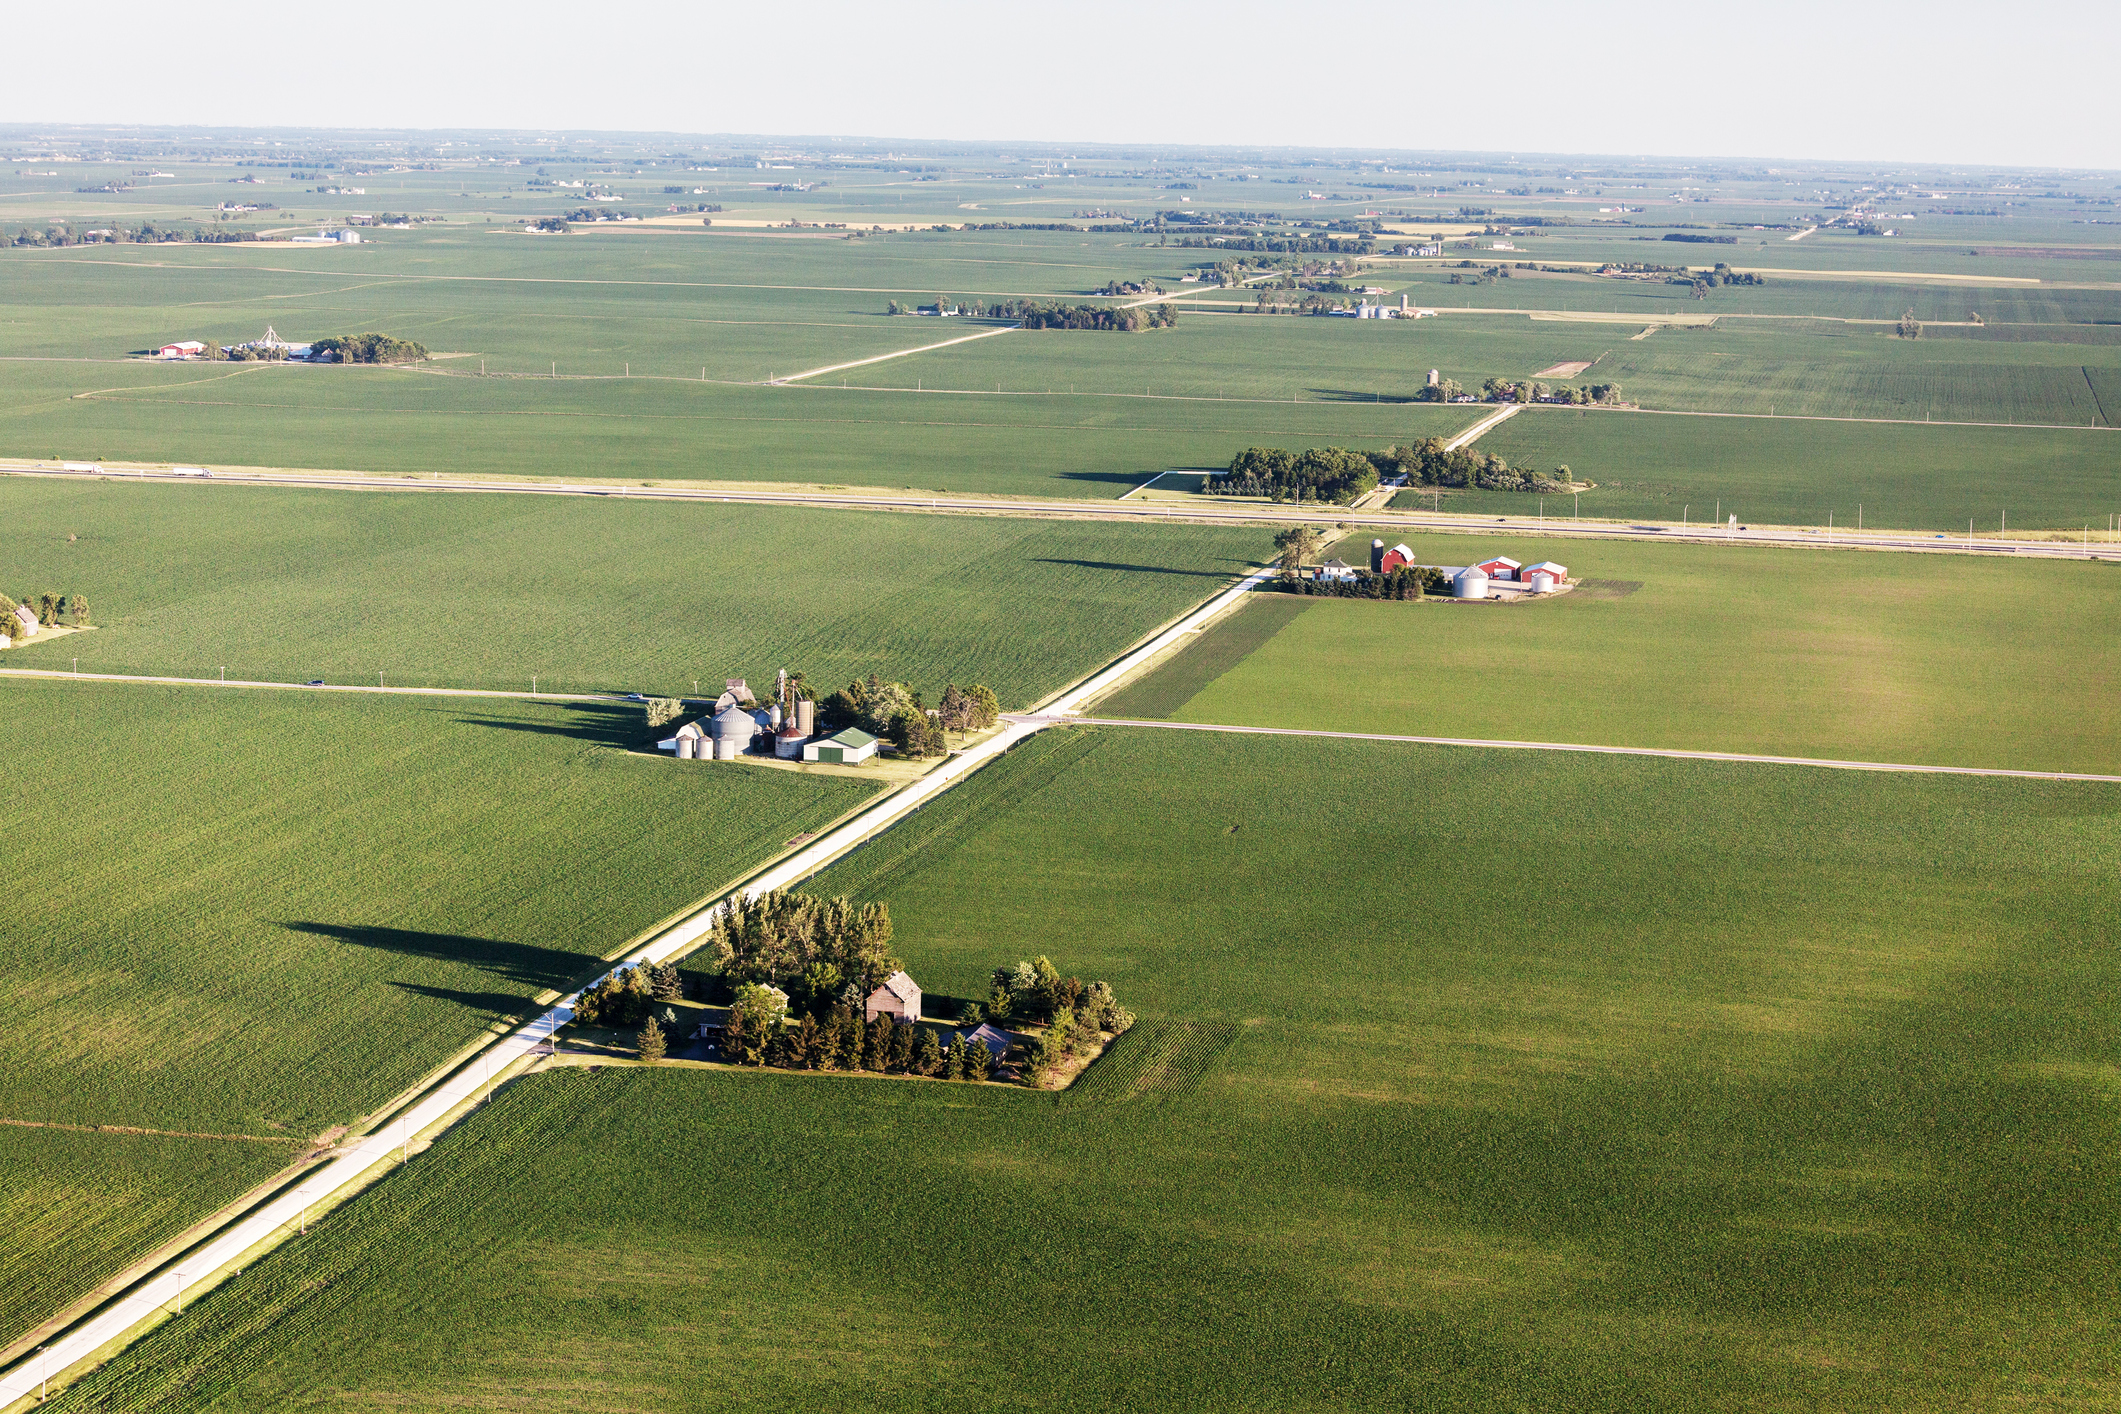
x=1116, y=478
x=604, y=723
x=494, y=1006
x=1359, y=395
x=520, y=964
x=1137, y=569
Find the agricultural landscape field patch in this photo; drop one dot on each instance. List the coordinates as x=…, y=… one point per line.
x=1699, y=1087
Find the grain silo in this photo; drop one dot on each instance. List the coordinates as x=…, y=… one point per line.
x=788, y=742
x=1377, y=557
x=733, y=729
x=685, y=748
x=806, y=717
x=1470, y=583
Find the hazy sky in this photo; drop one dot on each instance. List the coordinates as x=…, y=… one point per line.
x=1940, y=82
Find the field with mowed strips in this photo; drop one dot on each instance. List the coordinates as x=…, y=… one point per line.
x=1463, y=1081
x=264, y=914
x=1931, y=660
x=589, y=594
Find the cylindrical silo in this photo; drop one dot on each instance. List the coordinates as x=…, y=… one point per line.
x=1377, y=557
x=684, y=748
x=1470, y=583
x=806, y=717
x=726, y=748
x=773, y=717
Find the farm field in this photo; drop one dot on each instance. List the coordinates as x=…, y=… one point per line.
x=78, y=1207
x=1798, y=472
x=266, y=913
x=487, y=590
x=418, y=424
x=1700, y=1088
x=1934, y=660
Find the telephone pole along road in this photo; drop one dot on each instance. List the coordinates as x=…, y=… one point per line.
x=281, y=1218
x=1264, y=514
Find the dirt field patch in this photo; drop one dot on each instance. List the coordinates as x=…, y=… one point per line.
x=1563, y=370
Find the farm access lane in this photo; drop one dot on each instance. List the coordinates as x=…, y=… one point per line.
x=107, y=1329
x=1148, y=511
x=1667, y=752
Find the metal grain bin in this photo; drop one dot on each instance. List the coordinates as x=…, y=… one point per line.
x=806, y=717
x=1470, y=583
x=684, y=748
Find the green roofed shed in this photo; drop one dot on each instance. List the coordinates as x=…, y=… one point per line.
x=845, y=748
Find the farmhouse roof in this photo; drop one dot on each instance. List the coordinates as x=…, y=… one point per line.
x=1335, y=565
x=989, y=1035
x=899, y=985
x=27, y=616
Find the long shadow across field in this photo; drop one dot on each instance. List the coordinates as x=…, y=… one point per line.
x=605, y=724
x=521, y=964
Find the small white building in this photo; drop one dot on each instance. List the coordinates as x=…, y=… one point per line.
x=1335, y=571
x=686, y=741
x=846, y=748
x=899, y=998
x=1470, y=583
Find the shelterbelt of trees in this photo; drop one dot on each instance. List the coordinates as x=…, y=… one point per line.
x=1339, y=476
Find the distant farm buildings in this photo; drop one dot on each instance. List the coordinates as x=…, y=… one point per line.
x=737, y=725
x=183, y=348
x=1467, y=581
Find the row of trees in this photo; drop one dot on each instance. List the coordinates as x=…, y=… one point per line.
x=1427, y=463
x=756, y=1034
x=1511, y=390
x=1034, y=993
x=1130, y=320
x=1406, y=582
x=1332, y=474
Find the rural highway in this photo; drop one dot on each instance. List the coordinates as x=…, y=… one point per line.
x=284, y=1216
x=1668, y=752
x=1251, y=514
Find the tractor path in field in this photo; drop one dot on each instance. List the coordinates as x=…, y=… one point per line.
x=886, y=358
x=1667, y=752
x=437, y=1107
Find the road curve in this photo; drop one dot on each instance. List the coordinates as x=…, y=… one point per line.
x=282, y=1217
x=1150, y=511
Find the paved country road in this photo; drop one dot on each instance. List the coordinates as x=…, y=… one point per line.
x=284, y=1217
x=1670, y=752
x=1146, y=511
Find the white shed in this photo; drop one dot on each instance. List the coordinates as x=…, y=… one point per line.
x=691, y=731
x=1470, y=583
x=899, y=997
x=27, y=617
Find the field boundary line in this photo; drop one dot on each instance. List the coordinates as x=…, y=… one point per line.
x=136, y=1132
x=902, y=353
x=1670, y=753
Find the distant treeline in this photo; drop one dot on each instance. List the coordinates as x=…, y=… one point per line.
x=1693, y=239
x=1332, y=474
x=1288, y=245
x=1092, y=316
x=1426, y=463
x=1406, y=582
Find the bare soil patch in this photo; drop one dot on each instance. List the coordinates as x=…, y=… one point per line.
x=1563, y=370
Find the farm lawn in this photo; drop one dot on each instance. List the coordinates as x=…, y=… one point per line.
x=1699, y=1087
x=1934, y=660
x=480, y=590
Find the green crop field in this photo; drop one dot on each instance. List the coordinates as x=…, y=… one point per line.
x=1800, y=472
x=1936, y=660
x=266, y=913
x=77, y=1207
x=481, y=590
x=1465, y=1081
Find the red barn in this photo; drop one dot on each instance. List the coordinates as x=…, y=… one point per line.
x=1395, y=558
x=1501, y=567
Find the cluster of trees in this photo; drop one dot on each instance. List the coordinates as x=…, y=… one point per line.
x=1353, y=244
x=1909, y=327
x=1034, y=993
x=1707, y=280
x=759, y=1032
x=1129, y=287
x=1033, y=315
x=1510, y=390
x=1406, y=582
x=628, y=996
x=826, y=950
x=1694, y=239
x=370, y=348
x=1332, y=474
x=895, y=712
x=50, y=609
x=1426, y=463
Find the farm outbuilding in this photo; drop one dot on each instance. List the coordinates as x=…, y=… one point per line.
x=996, y=1040
x=847, y=748
x=1501, y=567
x=27, y=617
x=1384, y=561
x=1470, y=583
x=733, y=730
x=691, y=732
x=1544, y=577
x=183, y=348
x=899, y=997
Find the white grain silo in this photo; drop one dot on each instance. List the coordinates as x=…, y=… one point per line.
x=1470, y=583
x=806, y=716
x=1538, y=582
x=685, y=748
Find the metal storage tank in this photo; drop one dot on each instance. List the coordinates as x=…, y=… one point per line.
x=806, y=717
x=788, y=745
x=685, y=748
x=727, y=748
x=773, y=717
x=1470, y=583
x=1539, y=582
x=1377, y=557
